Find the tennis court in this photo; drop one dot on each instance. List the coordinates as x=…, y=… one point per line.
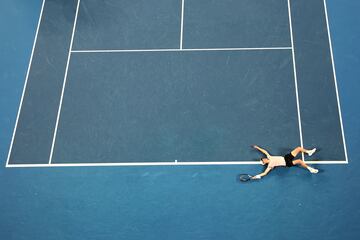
x=132, y=119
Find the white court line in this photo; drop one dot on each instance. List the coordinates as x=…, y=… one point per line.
x=182, y=24
x=179, y=50
x=295, y=77
x=335, y=81
x=64, y=84
x=156, y=164
x=26, y=81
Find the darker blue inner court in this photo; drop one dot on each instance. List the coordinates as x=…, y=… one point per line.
x=167, y=84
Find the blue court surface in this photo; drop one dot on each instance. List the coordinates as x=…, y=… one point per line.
x=132, y=119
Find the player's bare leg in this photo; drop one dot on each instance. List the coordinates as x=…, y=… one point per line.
x=304, y=165
x=298, y=150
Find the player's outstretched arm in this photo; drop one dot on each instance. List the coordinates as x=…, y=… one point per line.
x=259, y=176
x=261, y=150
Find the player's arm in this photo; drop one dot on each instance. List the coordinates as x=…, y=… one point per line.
x=267, y=170
x=261, y=150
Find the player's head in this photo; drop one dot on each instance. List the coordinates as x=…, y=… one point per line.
x=264, y=161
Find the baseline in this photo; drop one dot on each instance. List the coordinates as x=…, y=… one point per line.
x=337, y=162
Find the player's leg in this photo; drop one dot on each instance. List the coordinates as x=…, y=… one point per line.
x=304, y=165
x=298, y=150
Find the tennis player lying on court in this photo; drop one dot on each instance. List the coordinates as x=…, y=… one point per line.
x=287, y=160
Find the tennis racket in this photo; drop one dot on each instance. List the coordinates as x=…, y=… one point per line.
x=245, y=177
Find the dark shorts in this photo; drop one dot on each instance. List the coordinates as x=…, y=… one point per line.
x=288, y=159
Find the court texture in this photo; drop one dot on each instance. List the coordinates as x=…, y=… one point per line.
x=132, y=119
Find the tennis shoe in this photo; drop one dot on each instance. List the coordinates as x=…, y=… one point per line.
x=313, y=170
x=311, y=152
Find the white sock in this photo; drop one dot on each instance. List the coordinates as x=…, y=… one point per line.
x=311, y=152
x=312, y=170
